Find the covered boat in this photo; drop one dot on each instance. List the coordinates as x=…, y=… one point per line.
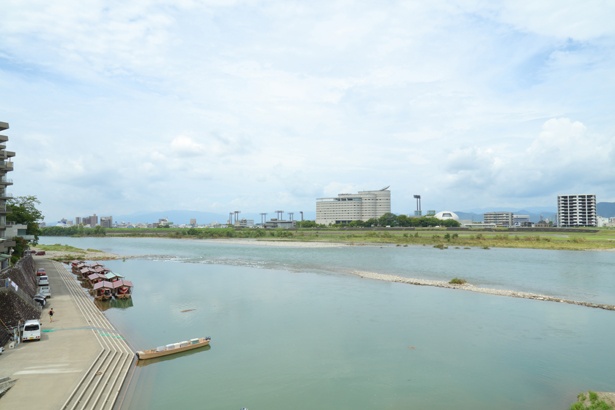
x=122, y=289
x=173, y=348
x=103, y=290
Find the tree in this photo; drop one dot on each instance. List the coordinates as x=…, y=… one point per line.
x=22, y=210
x=388, y=219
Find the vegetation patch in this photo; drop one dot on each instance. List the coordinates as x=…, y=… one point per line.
x=592, y=401
x=63, y=248
x=457, y=281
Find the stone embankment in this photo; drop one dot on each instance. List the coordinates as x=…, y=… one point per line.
x=17, y=286
x=472, y=288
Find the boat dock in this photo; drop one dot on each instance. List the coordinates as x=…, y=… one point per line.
x=81, y=361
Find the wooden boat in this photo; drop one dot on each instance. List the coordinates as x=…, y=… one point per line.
x=102, y=290
x=173, y=348
x=122, y=289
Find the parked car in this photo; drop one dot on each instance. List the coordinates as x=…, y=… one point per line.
x=31, y=330
x=40, y=252
x=41, y=272
x=45, y=290
x=40, y=299
x=43, y=280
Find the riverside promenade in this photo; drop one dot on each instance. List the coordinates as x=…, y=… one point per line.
x=81, y=361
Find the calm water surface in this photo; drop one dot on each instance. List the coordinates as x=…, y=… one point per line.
x=291, y=328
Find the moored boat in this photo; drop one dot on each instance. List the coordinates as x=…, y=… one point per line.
x=173, y=348
x=122, y=289
x=102, y=290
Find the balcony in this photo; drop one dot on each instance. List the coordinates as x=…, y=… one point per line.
x=5, y=181
x=6, y=166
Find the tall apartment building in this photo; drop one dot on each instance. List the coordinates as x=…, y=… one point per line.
x=576, y=210
x=346, y=208
x=5, y=166
x=498, y=218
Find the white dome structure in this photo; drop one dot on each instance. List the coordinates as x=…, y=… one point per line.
x=447, y=215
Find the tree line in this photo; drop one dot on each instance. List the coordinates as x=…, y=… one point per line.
x=389, y=220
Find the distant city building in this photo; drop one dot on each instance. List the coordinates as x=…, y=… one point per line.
x=106, y=221
x=576, y=210
x=5, y=166
x=498, y=218
x=193, y=222
x=245, y=223
x=521, y=220
x=90, y=220
x=78, y=220
x=444, y=215
x=279, y=224
x=605, y=222
x=346, y=208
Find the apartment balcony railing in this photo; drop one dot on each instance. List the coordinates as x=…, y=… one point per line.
x=6, y=165
x=6, y=181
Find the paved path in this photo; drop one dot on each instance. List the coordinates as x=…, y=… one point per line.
x=81, y=360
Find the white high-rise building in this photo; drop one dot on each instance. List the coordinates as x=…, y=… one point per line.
x=353, y=207
x=576, y=210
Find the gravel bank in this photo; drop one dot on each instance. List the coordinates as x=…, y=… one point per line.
x=472, y=288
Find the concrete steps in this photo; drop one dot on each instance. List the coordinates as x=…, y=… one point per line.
x=101, y=384
x=5, y=384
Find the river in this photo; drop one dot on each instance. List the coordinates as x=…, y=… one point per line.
x=292, y=327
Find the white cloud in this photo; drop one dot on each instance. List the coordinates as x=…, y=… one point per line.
x=470, y=104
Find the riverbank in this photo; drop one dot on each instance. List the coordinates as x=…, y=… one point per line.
x=65, y=253
x=527, y=238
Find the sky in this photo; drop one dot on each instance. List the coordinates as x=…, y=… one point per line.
x=119, y=107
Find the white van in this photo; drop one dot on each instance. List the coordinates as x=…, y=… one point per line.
x=31, y=330
x=43, y=280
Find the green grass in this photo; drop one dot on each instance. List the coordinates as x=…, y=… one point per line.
x=591, y=401
x=61, y=248
x=457, y=281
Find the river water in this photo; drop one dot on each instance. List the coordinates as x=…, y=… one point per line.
x=292, y=327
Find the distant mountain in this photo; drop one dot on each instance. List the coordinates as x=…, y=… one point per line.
x=179, y=217
x=606, y=209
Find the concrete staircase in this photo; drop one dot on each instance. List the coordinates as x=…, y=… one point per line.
x=5, y=384
x=100, y=386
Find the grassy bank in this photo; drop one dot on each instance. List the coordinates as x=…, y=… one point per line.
x=599, y=239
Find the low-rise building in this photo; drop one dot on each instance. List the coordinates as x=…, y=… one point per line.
x=498, y=218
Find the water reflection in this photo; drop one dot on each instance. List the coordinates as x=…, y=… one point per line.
x=113, y=303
